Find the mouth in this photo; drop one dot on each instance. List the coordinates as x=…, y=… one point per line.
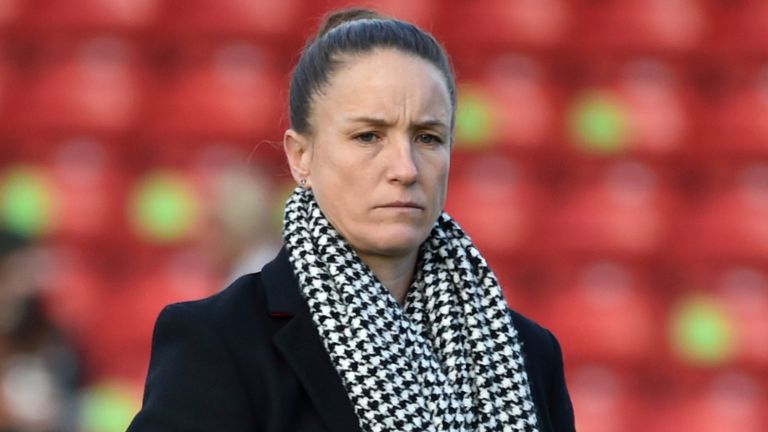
x=402, y=205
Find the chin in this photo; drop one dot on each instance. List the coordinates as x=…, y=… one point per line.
x=398, y=242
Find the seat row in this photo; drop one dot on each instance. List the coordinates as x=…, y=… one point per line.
x=665, y=26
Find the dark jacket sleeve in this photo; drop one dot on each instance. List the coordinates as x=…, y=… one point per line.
x=544, y=362
x=560, y=407
x=192, y=384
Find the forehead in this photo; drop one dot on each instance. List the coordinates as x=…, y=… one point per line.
x=386, y=80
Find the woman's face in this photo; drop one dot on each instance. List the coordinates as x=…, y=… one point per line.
x=378, y=157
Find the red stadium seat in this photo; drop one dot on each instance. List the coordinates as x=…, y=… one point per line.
x=8, y=91
x=737, y=127
x=268, y=19
x=602, y=400
x=95, y=87
x=88, y=190
x=746, y=28
x=744, y=293
x=651, y=26
x=10, y=11
x=728, y=401
x=498, y=24
x=732, y=222
x=71, y=290
x=234, y=94
x=624, y=212
x=637, y=106
x=525, y=103
x=90, y=15
x=656, y=107
x=603, y=312
x=495, y=202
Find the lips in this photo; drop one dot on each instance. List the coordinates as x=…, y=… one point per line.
x=402, y=204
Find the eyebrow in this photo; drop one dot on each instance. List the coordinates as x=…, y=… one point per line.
x=377, y=121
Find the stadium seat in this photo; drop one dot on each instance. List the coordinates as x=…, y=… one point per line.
x=240, y=18
x=495, y=201
x=623, y=212
x=8, y=89
x=498, y=24
x=91, y=15
x=743, y=290
x=525, y=102
x=646, y=26
x=737, y=127
x=658, y=120
x=604, y=312
x=726, y=401
x=746, y=27
x=637, y=106
x=10, y=11
x=94, y=86
x=731, y=222
x=88, y=185
x=603, y=400
x=234, y=93
x=71, y=284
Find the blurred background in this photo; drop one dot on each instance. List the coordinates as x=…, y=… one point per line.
x=611, y=161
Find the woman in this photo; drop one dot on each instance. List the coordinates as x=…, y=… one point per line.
x=378, y=314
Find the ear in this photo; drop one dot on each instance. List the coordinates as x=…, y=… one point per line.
x=298, y=150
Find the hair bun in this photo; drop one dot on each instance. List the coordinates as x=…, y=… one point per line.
x=341, y=16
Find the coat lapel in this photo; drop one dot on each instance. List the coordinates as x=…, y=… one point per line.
x=301, y=346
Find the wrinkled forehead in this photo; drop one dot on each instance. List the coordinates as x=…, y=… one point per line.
x=385, y=82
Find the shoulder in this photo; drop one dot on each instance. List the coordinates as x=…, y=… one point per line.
x=233, y=317
x=546, y=375
x=538, y=342
x=242, y=315
x=207, y=321
x=236, y=301
x=543, y=357
x=193, y=367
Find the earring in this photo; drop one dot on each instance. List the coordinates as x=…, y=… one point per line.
x=303, y=182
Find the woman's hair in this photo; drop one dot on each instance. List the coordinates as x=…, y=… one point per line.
x=352, y=32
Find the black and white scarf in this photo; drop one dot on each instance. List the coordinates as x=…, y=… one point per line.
x=449, y=360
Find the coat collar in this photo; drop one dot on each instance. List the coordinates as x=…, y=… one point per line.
x=281, y=287
x=302, y=347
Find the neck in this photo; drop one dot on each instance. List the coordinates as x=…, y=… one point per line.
x=395, y=273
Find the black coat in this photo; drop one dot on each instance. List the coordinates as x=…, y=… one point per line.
x=250, y=359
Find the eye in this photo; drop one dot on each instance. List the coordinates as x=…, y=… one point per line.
x=366, y=137
x=427, y=138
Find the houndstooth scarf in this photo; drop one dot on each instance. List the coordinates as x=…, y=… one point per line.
x=449, y=360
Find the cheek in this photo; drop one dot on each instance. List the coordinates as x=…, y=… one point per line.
x=326, y=174
x=440, y=174
x=337, y=195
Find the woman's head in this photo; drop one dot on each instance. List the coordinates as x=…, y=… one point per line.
x=349, y=33
x=372, y=132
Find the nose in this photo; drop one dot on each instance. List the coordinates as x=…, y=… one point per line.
x=402, y=164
